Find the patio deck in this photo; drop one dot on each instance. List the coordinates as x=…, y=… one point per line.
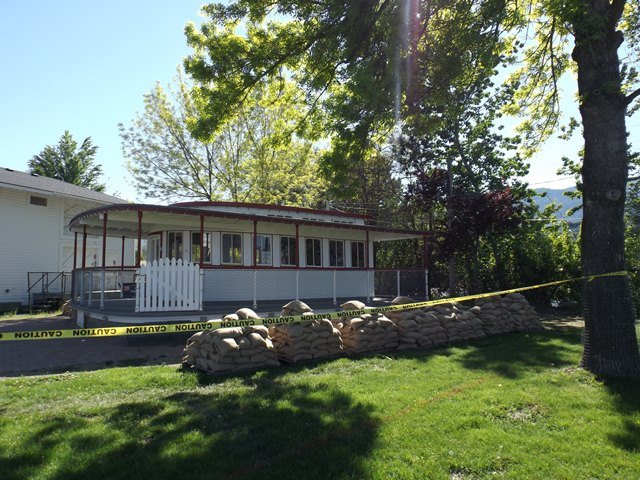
x=121, y=311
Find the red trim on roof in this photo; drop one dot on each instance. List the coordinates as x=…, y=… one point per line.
x=234, y=216
x=271, y=207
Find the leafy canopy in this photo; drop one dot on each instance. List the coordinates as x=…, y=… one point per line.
x=69, y=163
x=254, y=156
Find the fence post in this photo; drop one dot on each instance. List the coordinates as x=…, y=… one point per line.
x=80, y=296
x=397, y=283
x=297, y=283
x=201, y=279
x=426, y=284
x=102, y=288
x=335, y=302
x=255, y=288
x=368, y=286
x=90, y=302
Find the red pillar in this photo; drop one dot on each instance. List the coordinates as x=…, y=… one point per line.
x=255, y=241
x=139, y=252
x=201, y=241
x=104, y=240
x=84, y=246
x=297, y=246
x=366, y=251
x=75, y=249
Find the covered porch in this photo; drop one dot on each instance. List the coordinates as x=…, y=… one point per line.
x=242, y=255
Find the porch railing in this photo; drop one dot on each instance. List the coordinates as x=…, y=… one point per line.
x=93, y=286
x=45, y=284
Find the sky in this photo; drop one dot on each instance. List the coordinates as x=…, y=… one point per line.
x=85, y=66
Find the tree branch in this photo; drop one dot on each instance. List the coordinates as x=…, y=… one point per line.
x=632, y=96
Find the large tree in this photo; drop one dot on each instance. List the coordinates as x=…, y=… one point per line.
x=69, y=163
x=368, y=61
x=254, y=156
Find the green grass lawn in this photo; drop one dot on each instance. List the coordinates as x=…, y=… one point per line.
x=513, y=406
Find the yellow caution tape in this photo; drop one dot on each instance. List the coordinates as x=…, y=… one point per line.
x=215, y=324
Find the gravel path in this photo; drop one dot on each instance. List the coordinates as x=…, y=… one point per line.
x=36, y=357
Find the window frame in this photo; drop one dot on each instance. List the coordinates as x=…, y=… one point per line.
x=356, y=264
x=306, y=243
x=291, y=241
x=222, y=252
x=175, y=232
x=336, y=243
x=258, y=251
x=209, y=237
x=38, y=201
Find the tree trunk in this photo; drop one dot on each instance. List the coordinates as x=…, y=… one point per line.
x=610, y=344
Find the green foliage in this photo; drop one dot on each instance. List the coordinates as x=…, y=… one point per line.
x=255, y=156
x=69, y=163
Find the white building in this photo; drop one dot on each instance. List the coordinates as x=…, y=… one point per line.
x=34, y=214
x=244, y=253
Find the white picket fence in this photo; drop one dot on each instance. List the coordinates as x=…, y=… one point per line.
x=168, y=285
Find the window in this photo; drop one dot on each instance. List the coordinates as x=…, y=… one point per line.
x=175, y=247
x=288, y=251
x=232, y=248
x=357, y=254
x=195, y=247
x=336, y=253
x=39, y=201
x=314, y=252
x=153, y=248
x=263, y=250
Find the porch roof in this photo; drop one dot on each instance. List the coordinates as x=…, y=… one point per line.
x=122, y=220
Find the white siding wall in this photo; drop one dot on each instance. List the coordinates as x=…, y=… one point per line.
x=29, y=235
x=36, y=239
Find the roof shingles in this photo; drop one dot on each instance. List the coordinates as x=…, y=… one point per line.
x=9, y=178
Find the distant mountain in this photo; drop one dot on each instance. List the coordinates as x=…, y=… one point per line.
x=546, y=196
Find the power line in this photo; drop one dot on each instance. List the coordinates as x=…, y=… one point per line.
x=551, y=181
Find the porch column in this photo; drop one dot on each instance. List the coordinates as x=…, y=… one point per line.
x=366, y=251
x=104, y=240
x=84, y=246
x=297, y=248
x=75, y=249
x=201, y=241
x=74, y=294
x=161, y=245
x=139, y=252
x=122, y=254
x=255, y=242
x=104, y=259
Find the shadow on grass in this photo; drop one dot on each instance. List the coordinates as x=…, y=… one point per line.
x=514, y=354
x=625, y=394
x=259, y=426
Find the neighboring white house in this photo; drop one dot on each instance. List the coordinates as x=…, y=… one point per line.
x=34, y=216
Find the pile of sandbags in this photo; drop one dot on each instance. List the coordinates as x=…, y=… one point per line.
x=366, y=332
x=495, y=318
x=417, y=327
x=231, y=349
x=524, y=317
x=459, y=321
x=313, y=340
x=507, y=314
